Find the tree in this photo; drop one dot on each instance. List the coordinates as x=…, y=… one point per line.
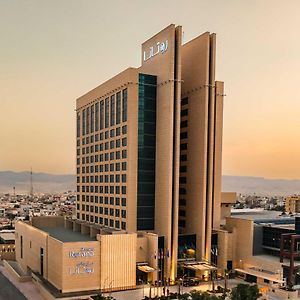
x=196, y=295
x=245, y=292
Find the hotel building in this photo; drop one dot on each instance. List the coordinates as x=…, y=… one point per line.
x=149, y=149
x=149, y=146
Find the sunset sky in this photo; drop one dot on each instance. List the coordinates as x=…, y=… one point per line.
x=52, y=52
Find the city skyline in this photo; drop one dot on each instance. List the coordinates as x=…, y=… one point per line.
x=50, y=56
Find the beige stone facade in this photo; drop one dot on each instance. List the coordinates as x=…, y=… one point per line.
x=72, y=261
x=182, y=195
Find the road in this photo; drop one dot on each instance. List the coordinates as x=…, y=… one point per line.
x=8, y=291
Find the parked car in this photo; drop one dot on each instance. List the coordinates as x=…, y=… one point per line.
x=191, y=281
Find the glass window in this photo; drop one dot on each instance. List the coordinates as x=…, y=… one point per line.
x=92, y=118
x=112, y=110
x=118, y=108
x=124, y=105
x=88, y=113
x=83, y=122
x=97, y=118
x=101, y=118
x=106, y=112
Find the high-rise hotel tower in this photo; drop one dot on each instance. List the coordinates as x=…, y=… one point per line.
x=149, y=144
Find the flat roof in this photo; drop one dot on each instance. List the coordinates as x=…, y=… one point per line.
x=66, y=235
x=7, y=236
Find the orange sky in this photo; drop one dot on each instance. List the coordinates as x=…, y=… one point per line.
x=54, y=51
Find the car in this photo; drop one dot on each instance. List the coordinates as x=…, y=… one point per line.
x=191, y=281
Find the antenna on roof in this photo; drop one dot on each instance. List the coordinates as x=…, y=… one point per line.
x=31, y=184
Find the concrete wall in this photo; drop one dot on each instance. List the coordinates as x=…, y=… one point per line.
x=118, y=268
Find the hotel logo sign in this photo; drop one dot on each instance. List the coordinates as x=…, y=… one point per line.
x=161, y=47
x=83, y=252
x=82, y=268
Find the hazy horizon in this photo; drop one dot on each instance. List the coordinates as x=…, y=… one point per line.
x=52, y=52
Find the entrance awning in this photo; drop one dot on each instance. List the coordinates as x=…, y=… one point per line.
x=146, y=268
x=259, y=274
x=199, y=266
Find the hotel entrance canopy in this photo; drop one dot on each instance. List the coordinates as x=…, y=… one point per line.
x=146, y=268
x=262, y=275
x=199, y=266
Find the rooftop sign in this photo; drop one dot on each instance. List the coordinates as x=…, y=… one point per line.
x=160, y=47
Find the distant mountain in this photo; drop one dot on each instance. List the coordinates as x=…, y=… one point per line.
x=260, y=185
x=44, y=182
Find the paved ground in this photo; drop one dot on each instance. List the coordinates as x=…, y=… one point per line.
x=138, y=293
x=8, y=291
x=25, y=290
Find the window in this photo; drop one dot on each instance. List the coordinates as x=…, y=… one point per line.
x=118, y=131
x=184, y=101
x=21, y=246
x=124, y=129
x=183, y=135
x=123, y=177
x=124, y=142
x=182, y=179
x=123, y=201
x=83, y=122
x=118, y=108
x=118, y=143
x=183, y=169
x=117, y=190
x=184, y=112
x=124, y=190
x=111, y=223
x=88, y=112
x=124, y=105
x=183, y=146
x=106, y=113
x=124, y=225
x=184, y=124
x=101, y=118
x=112, y=110
x=92, y=118
x=124, y=166
x=183, y=157
x=97, y=117
x=112, y=133
x=124, y=153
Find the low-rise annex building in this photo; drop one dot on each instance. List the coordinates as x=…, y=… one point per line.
x=71, y=256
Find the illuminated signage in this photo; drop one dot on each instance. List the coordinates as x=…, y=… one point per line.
x=83, y=252
x=82, y=268
x=160, y=47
